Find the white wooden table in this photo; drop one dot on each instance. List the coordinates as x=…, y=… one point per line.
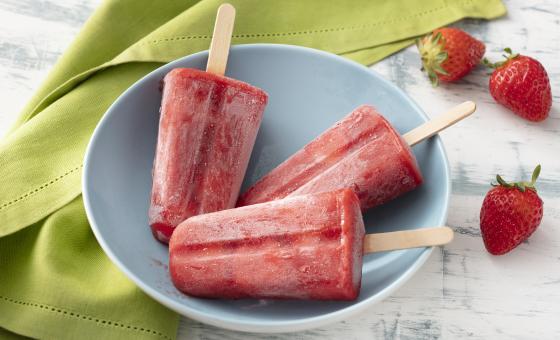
x=462, y=291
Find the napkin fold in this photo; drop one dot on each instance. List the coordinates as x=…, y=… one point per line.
x=55, y=281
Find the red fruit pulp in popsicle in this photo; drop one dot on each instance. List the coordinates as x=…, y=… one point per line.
x=304, y=247
x=362, y=151
x=207, y=130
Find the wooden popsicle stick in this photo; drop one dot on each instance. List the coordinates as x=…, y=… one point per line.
x=221, y=40
x=434, y=126
x=396, y=240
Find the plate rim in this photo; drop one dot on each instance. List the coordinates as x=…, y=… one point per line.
x=269, y=326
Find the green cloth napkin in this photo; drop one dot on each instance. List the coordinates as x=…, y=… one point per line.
x=55, y=281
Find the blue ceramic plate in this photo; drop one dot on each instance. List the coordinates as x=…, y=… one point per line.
x=309, y=90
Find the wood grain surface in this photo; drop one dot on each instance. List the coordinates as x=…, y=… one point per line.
x=462, y=291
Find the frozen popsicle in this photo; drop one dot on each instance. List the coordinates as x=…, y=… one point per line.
x=362, y=151
x=207, y=130
x=304, y=247
x=301, y=247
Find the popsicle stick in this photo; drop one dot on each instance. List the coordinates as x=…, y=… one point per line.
x=221, y=40
x=434, y=126
x=396, y=240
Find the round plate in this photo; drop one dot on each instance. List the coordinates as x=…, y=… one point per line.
x=309, y=90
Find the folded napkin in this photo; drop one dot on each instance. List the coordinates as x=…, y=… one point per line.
x=55, y=281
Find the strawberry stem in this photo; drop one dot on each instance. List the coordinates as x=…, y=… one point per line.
x=536, y=174
x=501, y=182
x=521, y=186
x=508, y=56
x=433, y=54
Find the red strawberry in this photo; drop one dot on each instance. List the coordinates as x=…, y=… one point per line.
x=510, y=214
x=448, y=54
x=521, y=84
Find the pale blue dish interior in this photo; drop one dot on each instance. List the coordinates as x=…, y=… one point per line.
x=309, y=90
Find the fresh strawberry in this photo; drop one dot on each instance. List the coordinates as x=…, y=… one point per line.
x=521, y=84
x=510, y=214
x=448, y=54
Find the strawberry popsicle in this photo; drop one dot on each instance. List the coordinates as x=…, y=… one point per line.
x=362, y=151
x=302, y=247
x=207, y=130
